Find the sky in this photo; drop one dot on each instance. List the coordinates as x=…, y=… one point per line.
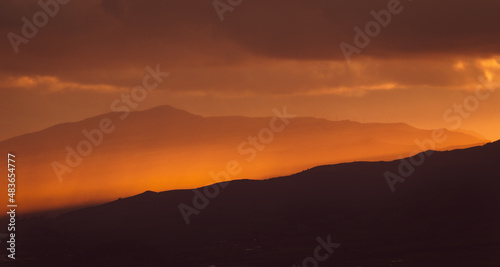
x=432, y=64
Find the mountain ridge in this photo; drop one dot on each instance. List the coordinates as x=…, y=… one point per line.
x=443, y=215
x=152, y=194
x=79, y=164
x=173, y=110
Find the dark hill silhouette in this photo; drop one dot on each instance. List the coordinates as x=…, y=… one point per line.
x=445, y=214
x=165, y=148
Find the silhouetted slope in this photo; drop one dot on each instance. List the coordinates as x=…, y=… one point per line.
x=445, y=214
x=173, y=149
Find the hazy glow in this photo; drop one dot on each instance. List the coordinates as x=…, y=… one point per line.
x=459, y=65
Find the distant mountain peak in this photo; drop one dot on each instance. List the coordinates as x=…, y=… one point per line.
x=166, y=109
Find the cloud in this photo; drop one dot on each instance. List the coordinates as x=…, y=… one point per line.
x=51, y=84
x=262, y=47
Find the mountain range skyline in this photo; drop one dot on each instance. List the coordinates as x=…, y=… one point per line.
x=172, y=149
x=358, y=120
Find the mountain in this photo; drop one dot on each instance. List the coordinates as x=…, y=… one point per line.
x=121, y=154
x=444, y=214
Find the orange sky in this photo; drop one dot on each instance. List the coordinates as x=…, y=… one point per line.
x=264, y=54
